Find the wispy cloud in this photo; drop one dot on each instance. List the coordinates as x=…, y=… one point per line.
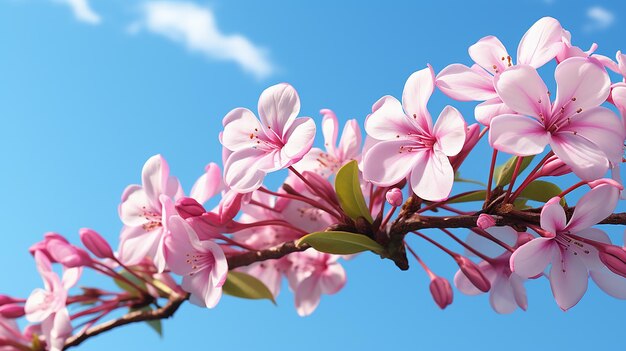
x=195, y=27
x=82, y=11
x=598, y=18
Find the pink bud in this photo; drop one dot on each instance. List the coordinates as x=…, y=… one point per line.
x=485, y=221
x=606, y=181
x=67, y=254
x=95, y=243
x=442, y=291
x=614, y=258
x=554, y=167
x=5, y=299
x=473, y=273
x=188, y=207
x=394, y=197
x=12, y=311
x=471, y=138
x=230, y=206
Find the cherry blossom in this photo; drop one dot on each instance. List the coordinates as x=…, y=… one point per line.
x=275, y=142
x=409, y=144
x=541, y=43
x=585, y=136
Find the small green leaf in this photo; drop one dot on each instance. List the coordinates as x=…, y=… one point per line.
x=541, y=191
x=127, y=287
x=457, y=178
x=478, y=195
x=243, y=285
x=348, y=190
x=520, y=204
x=341, y=243
x=503, y=173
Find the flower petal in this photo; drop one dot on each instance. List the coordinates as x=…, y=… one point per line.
x=522, y=89
x=241, y=171
x=333, y=279
x=450, y=130
x=465, y=84
x=585, y=159
x=432, y=176
x=308, y=294
x=241, y=127
x=330, y=129
x=532, y=258
x=610, y=283
x=602, y=127
x=417, y=91
x=350, y=142
x=386, y=164
x=208, y=185
x=490, y=54
x=568, y=279
x=489, y=109
x=518, y=135
x=279, y=105
x=298, y=139
x=552, y=217
x=582, y=83
x=136, y=243
x=541, y=43
x=593, y=207
x=501, y=295
x=388, y=120
x=154, y=176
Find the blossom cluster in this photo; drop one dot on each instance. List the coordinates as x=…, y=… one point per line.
x=349, y=197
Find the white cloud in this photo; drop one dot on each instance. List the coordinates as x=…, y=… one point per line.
x=599, y=18
x=195, y=27
x=82, y=11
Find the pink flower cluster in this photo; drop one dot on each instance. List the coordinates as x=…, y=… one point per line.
x=341, y=199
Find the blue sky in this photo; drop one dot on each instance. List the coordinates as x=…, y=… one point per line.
x=90, y=90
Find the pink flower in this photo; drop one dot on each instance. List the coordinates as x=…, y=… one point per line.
x=327, y=163
x=312, y=274
x=541, y=43
x=10, y=331
x=143, y=213
x=208, y=185
x=582, y=134
x=201, y=263
x=48, y=305
x=275, y=142
x=409, y=144
x=571, y=259
x=507, y=288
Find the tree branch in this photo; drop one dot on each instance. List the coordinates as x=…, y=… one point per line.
x=251, y=257
x=166, y=311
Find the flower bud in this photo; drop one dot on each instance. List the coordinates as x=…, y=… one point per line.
x=394, y=197
x=473, y=273
x=188, y=207
x=5, y=299
x=12, y=311
x=230, y=205
x=485, y=221
x=607, y=181
x=441, y=291
x=554, y=167
x=95, y=243
x=67, y=254
x=614, y=258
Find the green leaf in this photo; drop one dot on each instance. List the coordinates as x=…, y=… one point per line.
x=541, y=191
x=155, y=324
x=127, y=287
x=478, y=195
x=503, y=173
x=341, y=243
x=457, y=178
x=348, y=190
x=520, y=204
x=243, y=285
